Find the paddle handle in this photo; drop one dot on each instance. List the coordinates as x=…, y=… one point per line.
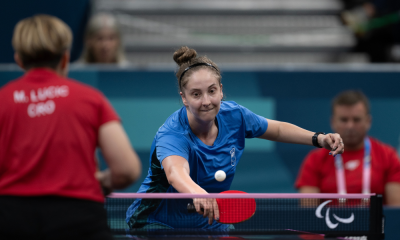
x=191, y=208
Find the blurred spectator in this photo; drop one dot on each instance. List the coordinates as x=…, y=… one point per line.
x=376, y=24
x=103, y=41
x=366, y=166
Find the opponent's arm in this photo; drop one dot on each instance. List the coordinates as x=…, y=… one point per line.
x=124, y=164
x=289, y=133
x=178, y=174
x=392, y=192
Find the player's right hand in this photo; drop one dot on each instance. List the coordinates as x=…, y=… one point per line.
x=207, y=207
x=104, y=178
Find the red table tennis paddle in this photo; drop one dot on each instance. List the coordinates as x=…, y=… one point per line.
x=232, y=210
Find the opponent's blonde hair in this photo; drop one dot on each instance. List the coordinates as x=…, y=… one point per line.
x=41, y=41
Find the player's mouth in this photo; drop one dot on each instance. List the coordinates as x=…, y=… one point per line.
x=206, y=110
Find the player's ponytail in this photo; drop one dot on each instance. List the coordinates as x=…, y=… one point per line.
x=184, y=55
x=188, y=62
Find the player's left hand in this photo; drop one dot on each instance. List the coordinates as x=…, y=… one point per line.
x=333, y=142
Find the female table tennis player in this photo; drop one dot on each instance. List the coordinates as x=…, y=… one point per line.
x=50, y=127
x=204, y=136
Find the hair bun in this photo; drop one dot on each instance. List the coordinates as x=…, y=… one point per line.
x=184, y=54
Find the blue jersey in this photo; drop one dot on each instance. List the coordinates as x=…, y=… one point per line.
x=235, y=123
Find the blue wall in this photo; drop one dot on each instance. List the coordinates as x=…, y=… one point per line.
x=74, y=13
x=144, y=99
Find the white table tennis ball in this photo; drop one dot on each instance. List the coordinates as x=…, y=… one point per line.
x=220, y=175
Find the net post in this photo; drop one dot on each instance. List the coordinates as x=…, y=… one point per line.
x=376, y=218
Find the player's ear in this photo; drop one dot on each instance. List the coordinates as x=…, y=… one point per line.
x=64, y=63
x=18, y=60
x=183, y=99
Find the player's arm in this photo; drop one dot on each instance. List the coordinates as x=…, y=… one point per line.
x=178, y=174
x=392, y=192
x=124, y=164
x=289, y=133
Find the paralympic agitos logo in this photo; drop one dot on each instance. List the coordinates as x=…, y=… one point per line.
x=328, y=221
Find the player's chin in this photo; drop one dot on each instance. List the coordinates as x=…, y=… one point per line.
x=207, y=119
x=208, y=115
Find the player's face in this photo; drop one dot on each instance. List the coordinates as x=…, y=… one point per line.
x=105, y=45
x=202, y=95
x=351, y=122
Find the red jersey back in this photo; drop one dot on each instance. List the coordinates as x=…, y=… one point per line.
x=48, y=136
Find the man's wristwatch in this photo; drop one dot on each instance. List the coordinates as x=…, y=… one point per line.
x=315, y=139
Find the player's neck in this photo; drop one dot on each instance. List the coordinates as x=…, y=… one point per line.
x=204, y=131
x=207, y=132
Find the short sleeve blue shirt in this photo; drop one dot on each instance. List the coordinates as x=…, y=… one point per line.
x=235, y=123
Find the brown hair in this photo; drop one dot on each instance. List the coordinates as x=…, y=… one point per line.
x=186, y=57
x=350, y=98
x=41, y=40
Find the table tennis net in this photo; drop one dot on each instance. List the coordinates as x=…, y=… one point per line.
x=331, y=214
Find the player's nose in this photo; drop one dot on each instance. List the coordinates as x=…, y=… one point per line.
x=206, y=100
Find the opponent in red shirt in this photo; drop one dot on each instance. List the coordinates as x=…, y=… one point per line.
x=50, y=127
x=366, y=166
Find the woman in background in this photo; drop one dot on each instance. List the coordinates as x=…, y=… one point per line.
x=103, y=41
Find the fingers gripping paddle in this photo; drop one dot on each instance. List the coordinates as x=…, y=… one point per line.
x=232, y=210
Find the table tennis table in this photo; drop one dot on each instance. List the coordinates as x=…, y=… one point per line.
x=277, y=216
